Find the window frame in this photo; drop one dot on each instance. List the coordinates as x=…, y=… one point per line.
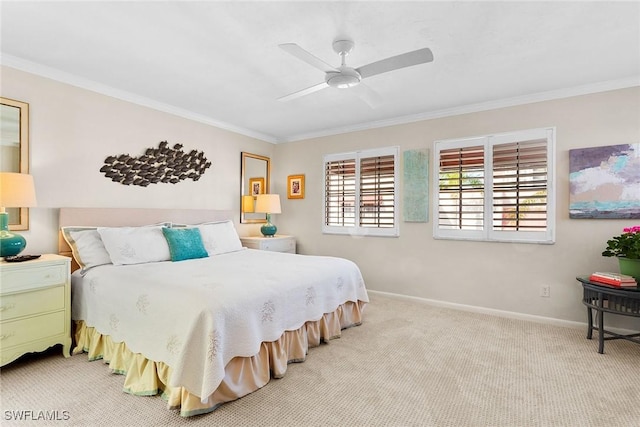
x=357, y=229
x=487, y=233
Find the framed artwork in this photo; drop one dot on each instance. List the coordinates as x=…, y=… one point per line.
x=604, y=182
x=256, y=185
x=295, y=187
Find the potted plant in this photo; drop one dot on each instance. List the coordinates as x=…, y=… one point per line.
x=626, y=247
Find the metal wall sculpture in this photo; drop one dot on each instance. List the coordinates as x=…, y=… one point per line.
x=157, y=165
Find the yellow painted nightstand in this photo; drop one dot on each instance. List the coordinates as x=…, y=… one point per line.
x=35, y=306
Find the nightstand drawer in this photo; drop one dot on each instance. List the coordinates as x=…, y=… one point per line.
x=27, y=303
x=16, y=279
x=279, y=245
x=31, y=329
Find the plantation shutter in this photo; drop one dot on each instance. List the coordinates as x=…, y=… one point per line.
x=361, y=193
x=340, y=192
x=497, y=188
x=520, y=186
x=377, y=191
x=461, y=188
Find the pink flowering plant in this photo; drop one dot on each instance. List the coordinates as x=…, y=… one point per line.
x=625, y=245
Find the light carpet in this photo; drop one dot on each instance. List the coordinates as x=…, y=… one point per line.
x=408, y=364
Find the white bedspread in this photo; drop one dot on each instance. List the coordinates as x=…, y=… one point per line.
x=197, y=315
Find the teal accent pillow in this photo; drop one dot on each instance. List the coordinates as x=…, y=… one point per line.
x=184, y=243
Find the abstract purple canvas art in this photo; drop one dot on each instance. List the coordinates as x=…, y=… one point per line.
x=605, y=182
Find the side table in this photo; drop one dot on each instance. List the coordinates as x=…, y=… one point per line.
x=277, y=243
x=35, y=306
x=602, y=298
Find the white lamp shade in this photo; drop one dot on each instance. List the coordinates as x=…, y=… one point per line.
x=17, y=190
x=268, y=203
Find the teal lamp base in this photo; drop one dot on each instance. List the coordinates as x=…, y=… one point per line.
x=268, y=229
x=10, y=243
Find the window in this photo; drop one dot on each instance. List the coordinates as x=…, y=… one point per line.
x=496, y=187
x=361, y=192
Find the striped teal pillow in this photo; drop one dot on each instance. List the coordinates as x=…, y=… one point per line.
x=184, y=243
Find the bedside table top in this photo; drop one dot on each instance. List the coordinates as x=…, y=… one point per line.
x=43, y=258
x=277, y=236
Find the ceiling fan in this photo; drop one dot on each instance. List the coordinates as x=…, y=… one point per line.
x=344, y=77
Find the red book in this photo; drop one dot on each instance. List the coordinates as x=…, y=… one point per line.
x=613, y=279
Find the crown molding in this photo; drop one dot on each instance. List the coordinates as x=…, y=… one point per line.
x=77, y=81
x=74, y=80
x=474, y=108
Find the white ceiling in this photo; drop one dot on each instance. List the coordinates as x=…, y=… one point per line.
x=219, y=62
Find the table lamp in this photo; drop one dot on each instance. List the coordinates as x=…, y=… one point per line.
x=16, y=191
x=269, y=204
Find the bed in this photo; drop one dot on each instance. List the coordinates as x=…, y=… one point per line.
x=198, y=319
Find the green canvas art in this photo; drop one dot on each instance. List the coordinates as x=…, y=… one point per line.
x=415, y=200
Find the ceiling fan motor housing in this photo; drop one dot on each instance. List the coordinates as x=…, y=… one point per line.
x=343, y=79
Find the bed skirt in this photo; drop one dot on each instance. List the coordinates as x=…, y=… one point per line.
x=243, y=375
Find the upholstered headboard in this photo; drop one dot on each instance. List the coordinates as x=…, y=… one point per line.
x=132, y=217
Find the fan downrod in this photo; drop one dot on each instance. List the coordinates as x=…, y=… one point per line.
x=345, y=77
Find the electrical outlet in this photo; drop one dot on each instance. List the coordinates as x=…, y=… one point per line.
x=545, y=291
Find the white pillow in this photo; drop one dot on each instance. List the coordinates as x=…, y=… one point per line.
x=220, y=237
x=135, y=245
x=86, y=246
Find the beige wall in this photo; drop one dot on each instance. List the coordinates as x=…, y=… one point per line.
x=502, y=276
x=73, y=130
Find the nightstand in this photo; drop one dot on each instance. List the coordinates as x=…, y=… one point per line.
x=277, y=243
x=35, y=306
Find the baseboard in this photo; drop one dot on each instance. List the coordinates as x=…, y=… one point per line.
x=495, y=312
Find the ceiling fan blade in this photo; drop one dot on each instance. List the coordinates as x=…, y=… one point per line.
x=304, y=92
x=368, y=95
x=305, y=56
x=408, y=59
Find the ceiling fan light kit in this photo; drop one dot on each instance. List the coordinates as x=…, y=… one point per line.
x=345, y=77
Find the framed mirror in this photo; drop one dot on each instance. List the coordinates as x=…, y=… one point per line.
x=14, y=154
x=255, y=174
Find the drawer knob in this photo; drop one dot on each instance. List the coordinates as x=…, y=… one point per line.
x=5, y=336
x=7, y=307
